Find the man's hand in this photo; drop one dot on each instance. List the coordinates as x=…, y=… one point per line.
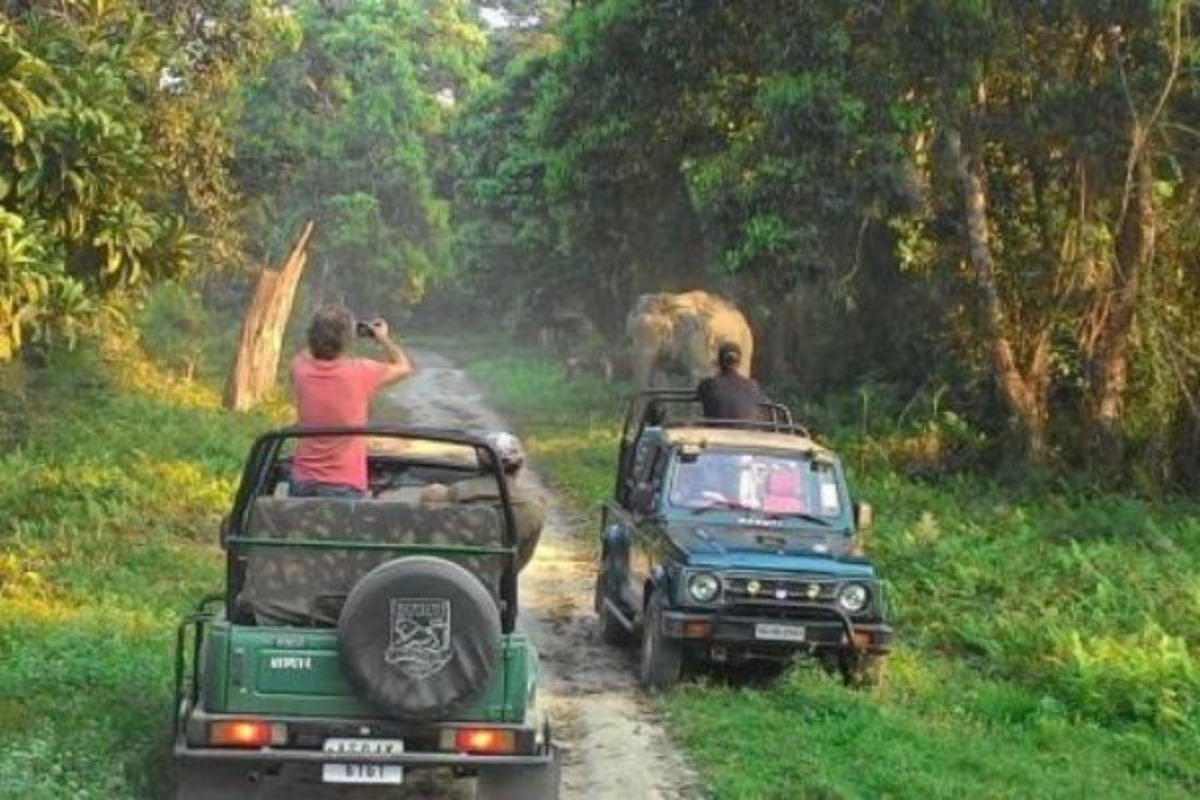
x=379, y=329
x=399, y=365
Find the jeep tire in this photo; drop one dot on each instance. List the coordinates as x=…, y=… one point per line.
x=662, y=658
x=420, y=637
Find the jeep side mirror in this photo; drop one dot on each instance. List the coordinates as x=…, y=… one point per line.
x=224, y=531
x=864, y=516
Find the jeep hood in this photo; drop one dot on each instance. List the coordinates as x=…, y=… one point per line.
x=753, y=547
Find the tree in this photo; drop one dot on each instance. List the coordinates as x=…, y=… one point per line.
x=346, y=130
x=1049, y=123
x=107, y=110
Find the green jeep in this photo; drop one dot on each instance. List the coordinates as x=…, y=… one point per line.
x=359, y=640
x=731, y=541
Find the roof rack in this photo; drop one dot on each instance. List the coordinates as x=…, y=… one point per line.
x=650, y=407
x=764, y=426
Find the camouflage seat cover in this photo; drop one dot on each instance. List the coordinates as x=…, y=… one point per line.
x=307, y=586
x=529, y=515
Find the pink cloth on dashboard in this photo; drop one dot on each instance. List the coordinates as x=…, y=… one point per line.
x=783, y=492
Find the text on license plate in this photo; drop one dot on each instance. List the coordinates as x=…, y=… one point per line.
x=363, y=773
x=779, y=633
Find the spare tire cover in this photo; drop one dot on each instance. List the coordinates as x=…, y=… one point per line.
x=419, y=637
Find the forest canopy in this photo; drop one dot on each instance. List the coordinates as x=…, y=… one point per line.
x=987, y=197
x=984, y=203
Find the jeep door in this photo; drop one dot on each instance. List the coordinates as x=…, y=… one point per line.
x=647, y=522
x=627, y=560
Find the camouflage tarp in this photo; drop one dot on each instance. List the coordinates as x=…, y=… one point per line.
x=529, y=514
x=303, y=586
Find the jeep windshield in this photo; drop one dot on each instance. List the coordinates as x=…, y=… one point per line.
x=783, y=485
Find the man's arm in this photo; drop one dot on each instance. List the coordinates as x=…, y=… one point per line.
x=399, y=366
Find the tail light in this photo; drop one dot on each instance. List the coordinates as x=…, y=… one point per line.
x=479, y=741
x=246, y=733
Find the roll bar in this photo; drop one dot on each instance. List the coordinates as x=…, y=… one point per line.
x=261, y=465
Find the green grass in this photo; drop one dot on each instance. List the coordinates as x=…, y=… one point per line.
x=111, y=489
x=1047, y=638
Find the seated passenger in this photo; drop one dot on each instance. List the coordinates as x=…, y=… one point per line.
x=529, y=515
x=729, y=394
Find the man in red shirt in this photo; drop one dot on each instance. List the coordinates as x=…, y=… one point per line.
x=334, y=389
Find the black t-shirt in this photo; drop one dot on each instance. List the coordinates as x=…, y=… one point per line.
x=729, y=396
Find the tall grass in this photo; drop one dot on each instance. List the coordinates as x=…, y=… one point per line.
x=111, y=488
x=1048, y=635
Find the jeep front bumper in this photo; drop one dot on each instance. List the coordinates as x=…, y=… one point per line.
x=824, y=628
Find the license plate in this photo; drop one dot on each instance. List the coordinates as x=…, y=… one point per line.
x=363, y=773
x=779, y=633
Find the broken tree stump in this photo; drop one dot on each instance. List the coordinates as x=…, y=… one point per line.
x=253, y=375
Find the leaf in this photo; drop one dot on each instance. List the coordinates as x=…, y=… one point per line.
x=112, y=261
x=27, y=182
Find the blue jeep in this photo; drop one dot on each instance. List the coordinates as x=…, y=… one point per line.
x=729, y=541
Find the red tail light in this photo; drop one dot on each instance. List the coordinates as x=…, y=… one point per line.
x=244, y=733
x=484, y=740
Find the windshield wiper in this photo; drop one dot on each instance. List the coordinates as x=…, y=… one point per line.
x=723, y=504
x=803, y=515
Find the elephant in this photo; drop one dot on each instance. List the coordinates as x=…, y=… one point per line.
x=680, y=333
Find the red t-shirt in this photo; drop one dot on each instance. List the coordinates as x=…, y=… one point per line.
x=336, y=392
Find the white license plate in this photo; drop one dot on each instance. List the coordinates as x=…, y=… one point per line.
x=779, y=633
x=363, y=773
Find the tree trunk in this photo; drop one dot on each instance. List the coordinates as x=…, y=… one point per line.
x=1113, y=311
x=257, y=361
x=1026, y=393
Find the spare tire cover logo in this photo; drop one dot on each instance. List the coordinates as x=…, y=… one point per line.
x=420, y=641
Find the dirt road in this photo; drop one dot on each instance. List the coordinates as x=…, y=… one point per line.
x=613, y=743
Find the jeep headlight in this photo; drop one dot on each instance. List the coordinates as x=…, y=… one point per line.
x=853, y=597
x=703, y=587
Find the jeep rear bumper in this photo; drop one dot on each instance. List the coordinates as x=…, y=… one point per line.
x=268, y=755
x=305, y=737
x=824, y=628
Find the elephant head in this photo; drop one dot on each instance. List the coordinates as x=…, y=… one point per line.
x=680, y=333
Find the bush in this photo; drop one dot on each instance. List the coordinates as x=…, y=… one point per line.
x=1149, y=677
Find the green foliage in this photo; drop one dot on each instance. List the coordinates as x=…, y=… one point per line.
x=800, y=158
x=110, y=502
x=937, y=731
x=112, y=152
x=504, y=241
x=347, y=130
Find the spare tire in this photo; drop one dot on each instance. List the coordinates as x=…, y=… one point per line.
x=419, y=637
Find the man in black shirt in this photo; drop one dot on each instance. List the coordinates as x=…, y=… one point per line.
x=728, y=394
